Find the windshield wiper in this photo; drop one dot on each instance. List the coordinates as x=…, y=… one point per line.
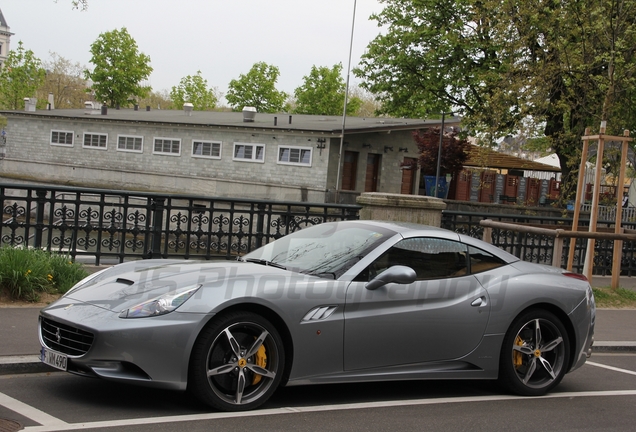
x=331, y=275
x=264, y=262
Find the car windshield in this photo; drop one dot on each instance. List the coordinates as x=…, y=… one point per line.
x=326, y=250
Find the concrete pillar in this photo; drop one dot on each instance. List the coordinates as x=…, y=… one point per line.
x=403, y=208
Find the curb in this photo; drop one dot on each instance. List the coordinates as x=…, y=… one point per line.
x=10, y=365
x=614, y=347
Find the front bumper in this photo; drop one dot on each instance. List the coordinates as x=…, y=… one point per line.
x=149, y=351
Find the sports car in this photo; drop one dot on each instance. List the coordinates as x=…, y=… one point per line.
x=339, y=302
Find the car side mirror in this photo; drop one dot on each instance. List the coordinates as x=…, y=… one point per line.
x=395, y=274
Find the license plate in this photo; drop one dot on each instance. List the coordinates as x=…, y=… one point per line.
x=54, y=359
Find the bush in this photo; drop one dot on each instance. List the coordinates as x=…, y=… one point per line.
x=65, y=272
x=27, y=273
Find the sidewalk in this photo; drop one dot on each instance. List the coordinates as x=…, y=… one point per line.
x=615, y=331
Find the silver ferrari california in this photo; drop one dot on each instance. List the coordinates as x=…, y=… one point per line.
x=338, y=302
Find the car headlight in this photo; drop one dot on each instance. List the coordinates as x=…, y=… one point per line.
x=161, y=305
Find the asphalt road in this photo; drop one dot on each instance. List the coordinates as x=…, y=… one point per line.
x=599, y=396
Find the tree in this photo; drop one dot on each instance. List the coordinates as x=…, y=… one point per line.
x=119, y=69
x=157, y=100
x=64, y=79
x=20, y=77
x=323, y=93
x=80, y=4
x=560, y=65
x=194, y=89
x=369, y=106
x=454, y=151
x=257, y=89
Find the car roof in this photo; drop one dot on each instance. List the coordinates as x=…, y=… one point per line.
x=406, y=230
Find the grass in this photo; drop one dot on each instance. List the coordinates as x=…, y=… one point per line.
x=25, y=274
x=610, y=298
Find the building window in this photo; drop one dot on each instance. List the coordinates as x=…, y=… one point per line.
x=206, y=149
x=167, y=146
x=62, y=138
x=294, y=155
x=249, y=152
x=95, y=140
x=130, y=143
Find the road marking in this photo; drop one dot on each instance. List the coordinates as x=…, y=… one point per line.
x=32, y=413
x=610, y=368
x=61, y=426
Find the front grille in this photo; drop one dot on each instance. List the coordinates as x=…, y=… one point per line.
x=65, y=338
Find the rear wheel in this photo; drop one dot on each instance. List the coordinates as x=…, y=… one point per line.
x=535, y=354
x=237, y=362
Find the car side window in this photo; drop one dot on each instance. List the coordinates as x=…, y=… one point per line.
x=431, y=258
x=481, y=260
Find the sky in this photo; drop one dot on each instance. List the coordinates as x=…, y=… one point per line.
x=221, y=38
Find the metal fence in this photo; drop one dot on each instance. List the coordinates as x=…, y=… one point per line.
x=105, y=226
x=539, y=248
x=628, y=214
x=100, y=225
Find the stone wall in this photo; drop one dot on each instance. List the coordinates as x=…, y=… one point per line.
x=401, y=208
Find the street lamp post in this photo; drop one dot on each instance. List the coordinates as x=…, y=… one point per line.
x=439, y=153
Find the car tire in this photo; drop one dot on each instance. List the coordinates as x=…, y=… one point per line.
x=535, y=354
x=237, y=362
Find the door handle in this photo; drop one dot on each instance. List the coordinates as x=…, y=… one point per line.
x=481, y=301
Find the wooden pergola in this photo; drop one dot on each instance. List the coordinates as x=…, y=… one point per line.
x=618, y=244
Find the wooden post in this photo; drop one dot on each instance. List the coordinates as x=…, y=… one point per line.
x=589, y=253
x=487, y=237
x=557, y=249
x=618, y=244
x=580, y=191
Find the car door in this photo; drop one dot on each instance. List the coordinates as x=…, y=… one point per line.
x=440, y=316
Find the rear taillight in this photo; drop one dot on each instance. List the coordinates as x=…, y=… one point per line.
x=575, y=276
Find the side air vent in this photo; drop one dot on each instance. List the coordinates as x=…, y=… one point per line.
x=319, y=313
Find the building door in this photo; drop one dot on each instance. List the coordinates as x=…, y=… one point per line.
x=349, y=170
x=373, y=168
x=408, y=176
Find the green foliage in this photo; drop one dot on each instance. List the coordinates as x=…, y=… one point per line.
x=65, y=272
x=119, y=69
x=194, y=89
x=20, y=77
x=26, y=273
x=563, y=65
x=323, y=93
x=540, y=145
x=257, y=89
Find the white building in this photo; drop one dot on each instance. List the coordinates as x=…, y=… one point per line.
x=5, y=39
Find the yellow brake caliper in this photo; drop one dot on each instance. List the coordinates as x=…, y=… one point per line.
x=261, y=361
x=517, y=357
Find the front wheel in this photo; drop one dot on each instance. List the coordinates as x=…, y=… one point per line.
x=535, y=354
x=237, y=362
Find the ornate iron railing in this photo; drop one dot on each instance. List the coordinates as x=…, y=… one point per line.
x=538, y=248
x=119, y=225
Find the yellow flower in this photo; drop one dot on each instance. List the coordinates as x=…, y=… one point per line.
x=28, y=272
x=49, y=277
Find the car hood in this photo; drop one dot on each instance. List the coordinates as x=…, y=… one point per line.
x=130, y=284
